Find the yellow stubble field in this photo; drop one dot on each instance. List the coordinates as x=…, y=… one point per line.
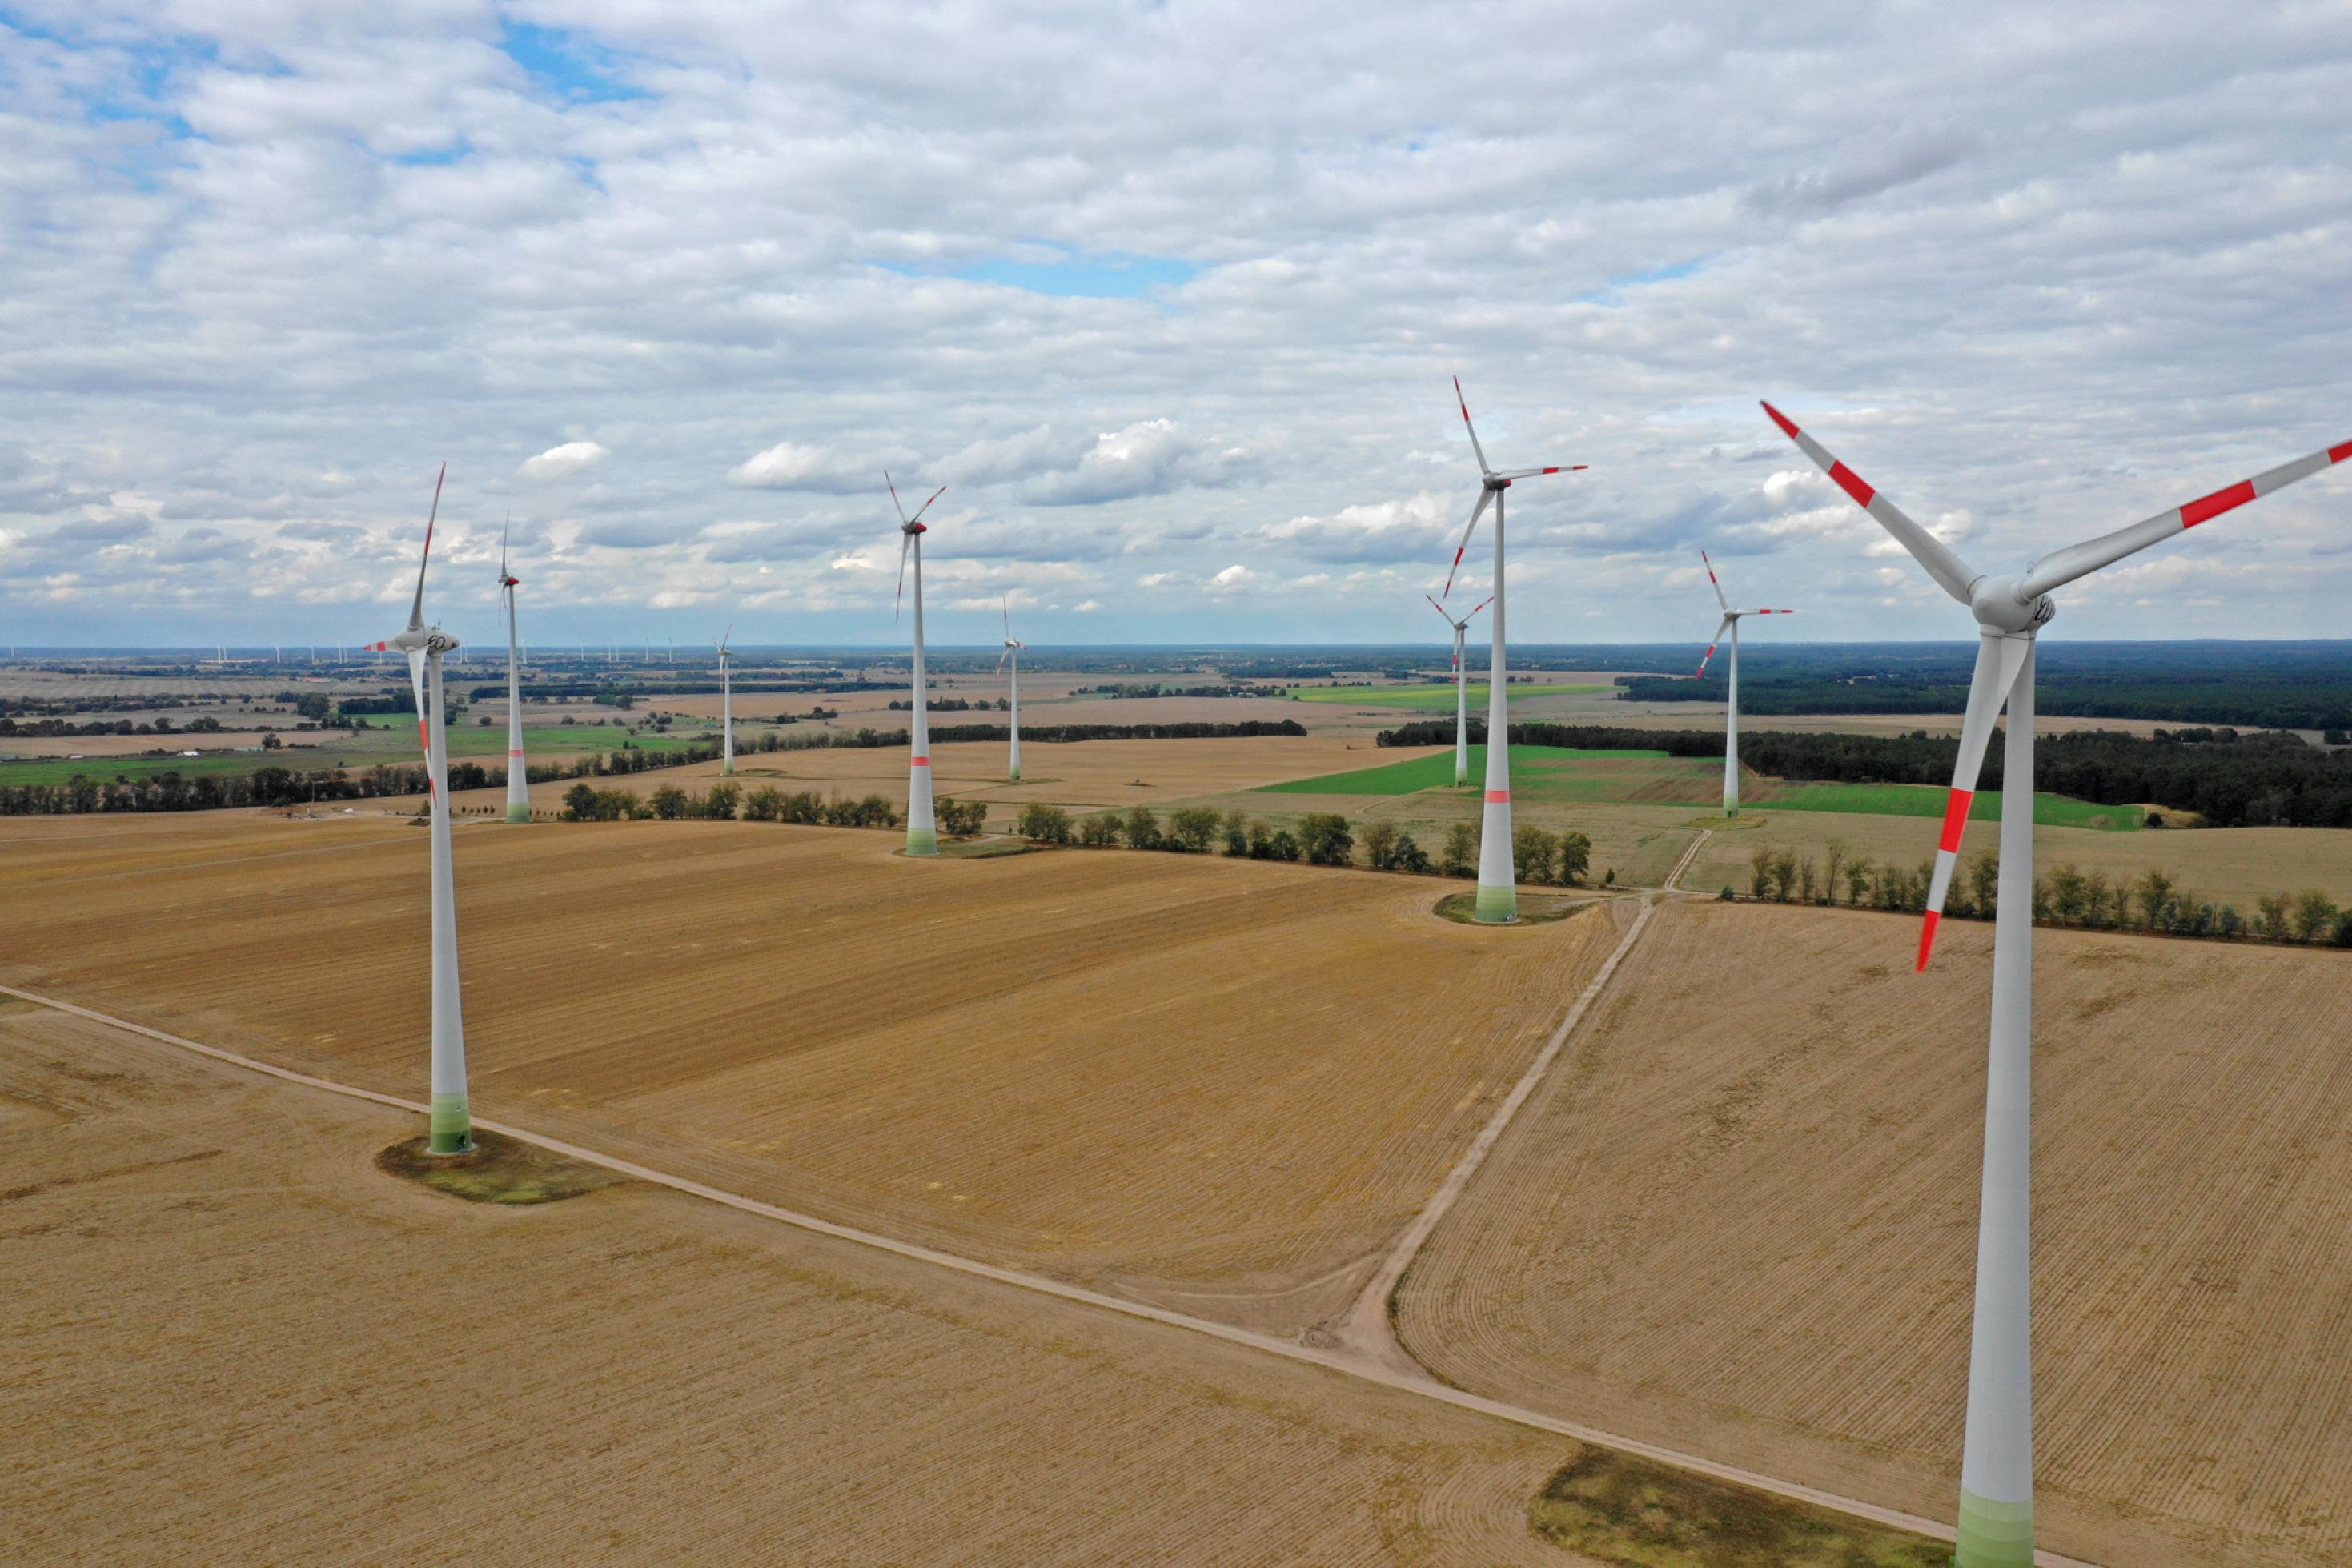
x=1217, y=1085
x=1742, y=1215
x=229, y=1339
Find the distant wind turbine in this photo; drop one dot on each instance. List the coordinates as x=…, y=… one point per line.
x=1461, y=687
x=727, y=696
x=1012, y=654
x=451, y=1128
x=1996, y=1523
x=1731, y=710
x=922, y=824
x=1498, y=894
x=517, y=771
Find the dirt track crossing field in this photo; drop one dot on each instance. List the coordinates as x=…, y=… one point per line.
x=1743, y=1212
x=321, y=1363
x=1220, y=1086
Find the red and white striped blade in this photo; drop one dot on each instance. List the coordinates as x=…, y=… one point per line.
x=1998, y=660
x=905, y=539
x=1480, y=605
x=927, y=505
x=1533, y=473
x=1711, y=647
x=424, y=717
x=1767, y=613
x=1951, y=572
x=1439, y=608
x=1470, y=427
x=2077, y=560
x=1477, y=512
x=1719, y=599
x=895, y=504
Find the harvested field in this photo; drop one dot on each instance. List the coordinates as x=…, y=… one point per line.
x=1742, y=1215
x=1219, y=1086
x=230, y=1340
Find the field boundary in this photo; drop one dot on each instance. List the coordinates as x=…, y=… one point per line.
x=1406, y=1383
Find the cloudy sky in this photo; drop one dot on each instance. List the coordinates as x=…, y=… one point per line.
x=1168, y=296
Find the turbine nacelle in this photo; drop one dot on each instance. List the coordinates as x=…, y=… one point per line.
x=2002, y=605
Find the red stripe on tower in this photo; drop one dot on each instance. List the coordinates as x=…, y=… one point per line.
x=1852, y=484
x=1499, y=797
x=922, y=761
x=1926, y=941
x=1956, y=820
x=2218, y=502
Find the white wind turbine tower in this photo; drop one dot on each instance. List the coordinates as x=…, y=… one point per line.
x=1996, y=1524
x=1013, y=654
x=517, y=771
x=451, y=1127
x=1731, y=709
x=1499, y=893
x=922, y=825
x=1460, y=687
x=727, y=696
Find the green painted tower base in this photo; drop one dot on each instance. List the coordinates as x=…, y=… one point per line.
x=518, y=813
x=922, y=841
x=451, y=1126
x=1497, y=905
x=1994, y=1534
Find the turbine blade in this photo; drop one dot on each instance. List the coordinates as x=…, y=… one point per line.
x=927, y=506
x=504, y=530
x=1533, y=473
x=1949, y=570
x=1998, y=660
x=1001, y=657
x=1711, y=647
x=417, y=605
x=2076, y=560
x=894, y=498
x=1477, y=512
x=1439, y=608
x=1719, y=599
x=1006, y=607
x=905, y=539
x=1480, y=605
x=423, y=721
x=1470, y=427
x=728, y=638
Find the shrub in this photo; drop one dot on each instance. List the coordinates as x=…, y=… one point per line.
x=800, y=806
x=1282, y=846
x=960, y=819
x=1192, y=827
x=1100, y=831
x=1460, y=855
x=1380, y=845
x=1142, y=828
x=766, y=804
x=1576, y=858
x=719, y=806
x=670, y=802
x=1408, y=856
x=1533, y=850
x=1325, y=837
x=1044, y=825
x=1238, y=833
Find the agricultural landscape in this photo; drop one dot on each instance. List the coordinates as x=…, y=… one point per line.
x=1171, y=784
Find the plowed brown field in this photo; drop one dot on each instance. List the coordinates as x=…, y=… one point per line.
x=1742, y=1215
x=1219, y=1086
x=229, y=1339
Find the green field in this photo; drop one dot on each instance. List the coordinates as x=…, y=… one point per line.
x=1428, y=699
x=1436, y=772
x=1566, y=776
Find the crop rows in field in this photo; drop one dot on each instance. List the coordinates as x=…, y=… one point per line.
x=1744, y=1215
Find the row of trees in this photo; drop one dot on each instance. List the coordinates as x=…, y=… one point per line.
x=2153, y=900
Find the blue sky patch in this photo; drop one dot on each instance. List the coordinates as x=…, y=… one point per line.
x=567, y=63
x=1068, y=272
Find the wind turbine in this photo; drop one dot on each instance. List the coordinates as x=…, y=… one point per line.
x=1499, y=893
x=922, y=826
x=451, y=1128
x=1461, y=688
x=1731, y=711
x=1996, y=1526
x=727, y=696
x=1013, y=652
x=518, y=772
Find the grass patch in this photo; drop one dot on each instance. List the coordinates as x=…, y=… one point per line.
x=1436, y=771
x=499, y=1170
x=986, y=849
x=307, y=752
x=1430, y=699
x=1928, y=800
x=1535, y=908
x=1625, y=1510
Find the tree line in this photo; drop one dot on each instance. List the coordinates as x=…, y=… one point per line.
x=2154, y=901
x=2231, y=780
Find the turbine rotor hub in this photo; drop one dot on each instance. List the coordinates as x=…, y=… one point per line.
x=437, y=642
x=1497, y=486
x=2001, y=604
